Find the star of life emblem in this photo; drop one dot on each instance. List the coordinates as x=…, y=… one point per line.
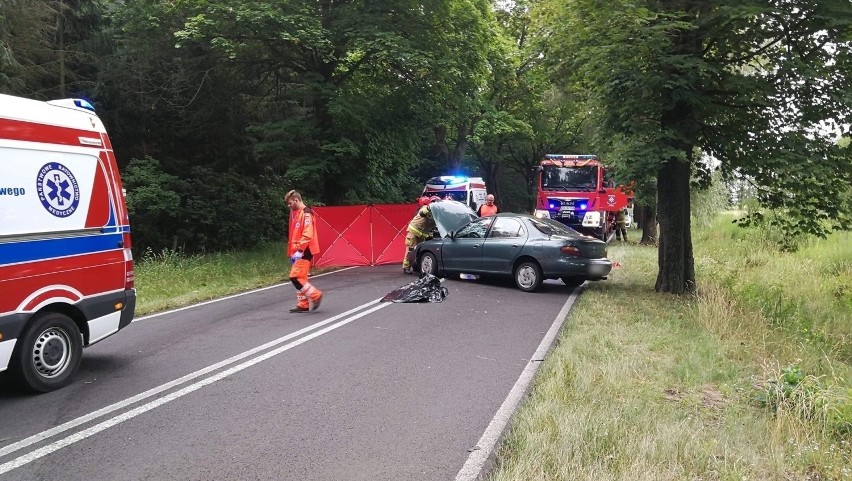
x=58, y=189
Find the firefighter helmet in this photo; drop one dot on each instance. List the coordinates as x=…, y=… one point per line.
x=423, y=200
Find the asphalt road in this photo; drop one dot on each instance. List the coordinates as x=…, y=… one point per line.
x=241, y=389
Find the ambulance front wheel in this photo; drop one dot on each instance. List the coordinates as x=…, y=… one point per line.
x=48, y=353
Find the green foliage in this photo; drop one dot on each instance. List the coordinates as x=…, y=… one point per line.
x=207, y=211
x=808, y=398
x=226, y=210
x=45, y=47
x=329, y=78
x=779, y=391
x=708, y=201
x=154, y=203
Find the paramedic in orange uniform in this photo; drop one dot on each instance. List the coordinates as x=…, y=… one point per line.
x=302, y=246
x=488, y=208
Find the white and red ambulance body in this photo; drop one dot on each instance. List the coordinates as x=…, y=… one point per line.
x=467, y=190
x=66, y=270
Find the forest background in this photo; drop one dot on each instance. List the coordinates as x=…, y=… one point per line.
x=216, y=108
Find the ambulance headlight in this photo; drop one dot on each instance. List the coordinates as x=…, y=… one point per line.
x=542, y=214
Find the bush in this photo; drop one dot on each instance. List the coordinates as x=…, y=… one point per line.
x=208, y=211
x=154, y=202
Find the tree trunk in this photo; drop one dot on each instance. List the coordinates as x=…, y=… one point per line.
x=441, y=152
x=676, y=265
x=649, y=225
x=637, y=215
x=459, y=149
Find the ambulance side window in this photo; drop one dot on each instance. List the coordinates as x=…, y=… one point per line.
x=51, y=191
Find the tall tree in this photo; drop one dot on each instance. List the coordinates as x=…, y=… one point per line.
x=43, y=47
x=306, y=57
x=751, y=83
x=523, y=115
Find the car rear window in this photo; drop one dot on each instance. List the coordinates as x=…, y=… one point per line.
x=552, y=227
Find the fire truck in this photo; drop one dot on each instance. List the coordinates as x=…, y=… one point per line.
x=577, y=191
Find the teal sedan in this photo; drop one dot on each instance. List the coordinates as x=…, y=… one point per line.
x=520, y=246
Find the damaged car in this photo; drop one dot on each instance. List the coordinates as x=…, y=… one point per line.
x=520, y=246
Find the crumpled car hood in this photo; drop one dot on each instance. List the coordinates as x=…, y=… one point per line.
x=450, y=215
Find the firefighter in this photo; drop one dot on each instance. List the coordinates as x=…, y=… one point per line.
x=488, y=208
x=419, y=229
x=621, y=225
x=302, y=246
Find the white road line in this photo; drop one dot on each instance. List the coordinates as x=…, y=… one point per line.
x=233, y=296
x=151, y=392
x=485, y=446
x=57, y=445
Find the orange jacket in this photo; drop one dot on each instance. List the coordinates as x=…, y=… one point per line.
x=485, y=210
x=303, y=232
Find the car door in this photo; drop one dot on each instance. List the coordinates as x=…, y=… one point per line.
x=463, y=251
x=502, y=245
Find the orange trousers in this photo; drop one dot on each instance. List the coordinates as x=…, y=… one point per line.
x=304, y=290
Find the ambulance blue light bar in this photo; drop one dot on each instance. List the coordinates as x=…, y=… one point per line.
x=73, y=103
x=454, y=179
x=84, y=104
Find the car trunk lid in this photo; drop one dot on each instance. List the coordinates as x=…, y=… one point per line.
x=589, y=248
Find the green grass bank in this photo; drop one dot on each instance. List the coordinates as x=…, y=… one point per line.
x=170, y=279
x=748, y=379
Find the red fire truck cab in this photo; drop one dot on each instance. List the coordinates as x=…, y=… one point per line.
x=576, y=190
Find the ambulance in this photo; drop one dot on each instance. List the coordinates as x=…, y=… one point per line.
x=66, y=270
x=468, y=190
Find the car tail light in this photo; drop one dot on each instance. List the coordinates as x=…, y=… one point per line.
x=570, y=251
x=129, y=275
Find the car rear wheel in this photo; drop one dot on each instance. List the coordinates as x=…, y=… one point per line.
x=573, y=281
x=429, y=264
x=528, y=276
x=48, y=353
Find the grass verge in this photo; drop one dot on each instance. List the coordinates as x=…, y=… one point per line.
x=721, y=385
x=171, y=279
